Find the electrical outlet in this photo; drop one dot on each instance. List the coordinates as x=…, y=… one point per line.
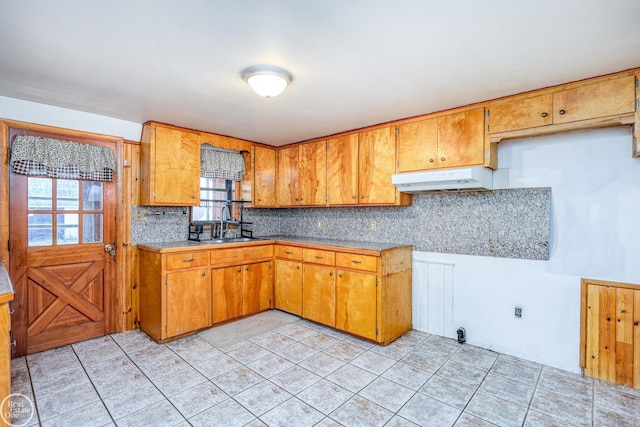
x=372, y=225
x=321, y=224
x=518, y=312
x=141, y=214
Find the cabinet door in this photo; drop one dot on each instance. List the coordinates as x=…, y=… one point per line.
x=264, y=180
x=312, y=174
x=609, y=337
x=522, y=114
x=600, y=99
x=257, y=287
x=319, y=294
x=376, y=164
x=287, y=176
x=461, y=139
x=342, y=170
x=188, y=301
x=356, y=303
x=227, y=293
x=417, y=146
x=176, y=167
x=288, y=286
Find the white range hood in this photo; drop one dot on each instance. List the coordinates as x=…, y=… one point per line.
x=471, y=178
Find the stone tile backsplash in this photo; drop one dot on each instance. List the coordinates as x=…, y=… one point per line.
x=510, y=223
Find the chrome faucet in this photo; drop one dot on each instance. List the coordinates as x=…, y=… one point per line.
x=222, y=219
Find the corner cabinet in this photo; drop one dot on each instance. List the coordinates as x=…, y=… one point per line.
x=169, y=166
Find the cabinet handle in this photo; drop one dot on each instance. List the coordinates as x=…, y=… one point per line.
x=355, y=261
x=203, y=274
x=188, y=260
x=431, y=160
x=248, y=268
x=331, y=273
x=353, y=197
x=544, y=114
x=442, y=159
x=288, y=252
x=561, y=112
x=193, y=196
x=636, y=323
x=239, y=270
x=319, y=257
x=297, y=267
x=362, y=196
x=340, y=275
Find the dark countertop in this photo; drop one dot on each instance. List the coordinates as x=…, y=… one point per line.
x=347, y=244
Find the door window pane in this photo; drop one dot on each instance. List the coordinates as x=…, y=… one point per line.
x=67, y=229
x=40, y=229
x=67, y=195
x=40, y=193
x=91, y=228
x=92, y=195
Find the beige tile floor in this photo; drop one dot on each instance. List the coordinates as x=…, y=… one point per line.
x=303, y=374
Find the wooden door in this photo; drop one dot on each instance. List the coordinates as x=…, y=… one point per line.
x=264, y=177
x=356, y=303
x=600, y=99
x=188, y=301
x=227, y=293
x=377, y=161
x=312, y=174
x=288, y=176
x=461, y=139
x=417, y=146
x=257, y=287
x=63, y=278
x=342, y=170
x=319, y=294
x=288, y=286
x=521, y=114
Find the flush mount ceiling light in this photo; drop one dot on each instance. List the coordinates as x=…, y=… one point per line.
x=267, y=80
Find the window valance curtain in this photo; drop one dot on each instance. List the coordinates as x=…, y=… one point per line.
x=221, y=164
x=36, y=155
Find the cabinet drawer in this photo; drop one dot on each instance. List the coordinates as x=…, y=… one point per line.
x=187, y=259
x=242, y=254
x=288, y=252
x=318, y=256
x=359, y=262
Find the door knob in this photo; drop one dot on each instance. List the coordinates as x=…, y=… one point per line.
x=110, y=249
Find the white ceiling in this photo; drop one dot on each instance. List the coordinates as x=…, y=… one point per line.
x=354, y=62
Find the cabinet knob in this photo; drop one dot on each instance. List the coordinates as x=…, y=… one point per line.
x=431, y=160
x=203, y=274
x=442, y=159
x=193, y=196
x=636, y=323
x=248, y=268
x=331, y=273
x=544, y=114
x=362, y=196
x=353, y=197
x=13, y=343
x=340, y=275
x=561, y=112
x=239, y=270
x=297, y=267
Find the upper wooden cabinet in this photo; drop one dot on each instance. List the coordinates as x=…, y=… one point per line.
x=447, y=141
x=264, y=178
x=596, y=100
x=376, y=164
x=342, y=170
x=169, y=166
x=302, y=175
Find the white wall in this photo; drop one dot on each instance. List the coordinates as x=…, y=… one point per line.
x=594, y=234
x=25, y=111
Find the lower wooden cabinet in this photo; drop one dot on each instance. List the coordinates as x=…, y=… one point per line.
x=190, y=295
x=288, y=286
x=241, y=290
x=356, y=303
x=610, y=332
x=319, y=294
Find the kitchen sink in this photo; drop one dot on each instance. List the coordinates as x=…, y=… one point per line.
x=234, y=240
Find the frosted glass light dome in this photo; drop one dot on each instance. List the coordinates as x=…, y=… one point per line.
x=267, y=80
